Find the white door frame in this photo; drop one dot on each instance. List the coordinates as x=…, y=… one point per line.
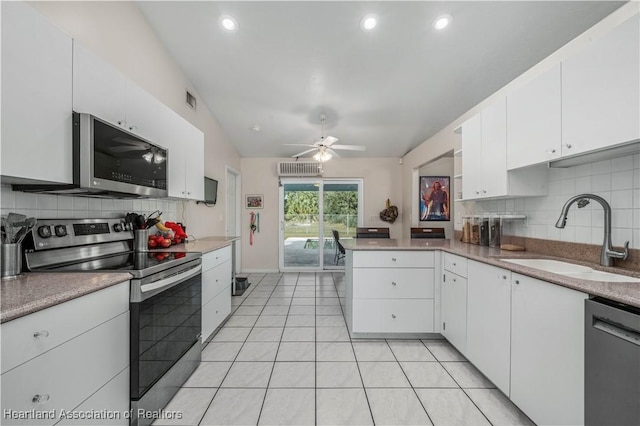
x=237, y=232
x=320, y=181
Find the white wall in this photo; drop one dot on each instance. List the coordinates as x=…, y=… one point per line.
x=382, y=179
x=617, y=181
x=118, y=32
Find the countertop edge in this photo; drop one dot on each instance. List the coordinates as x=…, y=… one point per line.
x=623, y=292
x=99, y=282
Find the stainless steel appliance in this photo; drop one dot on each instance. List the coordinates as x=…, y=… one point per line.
x=110, y=161
x=165, y=299
x=612, y=363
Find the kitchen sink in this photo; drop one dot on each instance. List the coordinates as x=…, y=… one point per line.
x=571, y=270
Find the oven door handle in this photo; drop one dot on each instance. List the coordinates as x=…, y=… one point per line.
x=169, y=282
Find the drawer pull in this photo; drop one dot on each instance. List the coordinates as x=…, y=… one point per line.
x=393, y=283
x=41, y=334
x=40, y=399
x=393, y=316
x=517, y=281
x=393, y=258
x=504, y=277
x=454, y=263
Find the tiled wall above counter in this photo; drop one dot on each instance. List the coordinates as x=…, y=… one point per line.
x=617, y=181
x=45, y=206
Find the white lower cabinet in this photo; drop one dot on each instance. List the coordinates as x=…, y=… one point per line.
x=390, y=292
x=547, y=351
x=454, y=310
x=87, y=370
x=489, y=322
x=216, y=289
x=110, y=395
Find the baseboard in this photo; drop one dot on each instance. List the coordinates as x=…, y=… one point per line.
x=259, y=271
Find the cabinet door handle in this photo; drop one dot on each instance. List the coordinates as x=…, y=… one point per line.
x=133, y=127
x=393, y=316
x=517, y=282
x=120, y=123
x=568, y=145
x=504, y=277
x=188, y=193
x=393, y=283
x=41, y=334
x=484, y=191
x=393, y=258
x=454, y=263
x=551, y=151
x=454, y=280
x=40, y=399
x=477, y=192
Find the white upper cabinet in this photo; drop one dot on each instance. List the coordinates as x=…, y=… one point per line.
x=36, y=97
x=494, y=150
x=484, y=159
x=534, y=121
x=98, y=88
x=484, y=153
x=186, y=160
x=471, y=157
x=601, y=91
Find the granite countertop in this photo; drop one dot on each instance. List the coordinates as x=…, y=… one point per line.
x=202, y=245
x=34, y=291
x=624, y=292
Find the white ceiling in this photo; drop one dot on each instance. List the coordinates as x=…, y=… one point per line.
x=389, y=89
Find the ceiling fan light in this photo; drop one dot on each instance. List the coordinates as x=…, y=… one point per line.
x=322, y=156
x=148, y=157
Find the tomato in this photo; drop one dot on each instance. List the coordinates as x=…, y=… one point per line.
x=152, y=243
x=166, y=242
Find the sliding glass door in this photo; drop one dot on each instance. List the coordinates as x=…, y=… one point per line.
x=310, y=211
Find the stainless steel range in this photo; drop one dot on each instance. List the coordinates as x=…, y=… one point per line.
x=165, y=300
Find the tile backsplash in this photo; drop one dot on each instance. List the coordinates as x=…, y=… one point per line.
x=617, y=181
x=46, y=206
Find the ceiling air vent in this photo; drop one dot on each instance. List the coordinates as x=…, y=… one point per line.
x=192, y=101
x=298, y=168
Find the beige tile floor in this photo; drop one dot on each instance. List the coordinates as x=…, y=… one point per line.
x=284, y=357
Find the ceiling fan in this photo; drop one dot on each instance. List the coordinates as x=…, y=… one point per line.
x=325, y=147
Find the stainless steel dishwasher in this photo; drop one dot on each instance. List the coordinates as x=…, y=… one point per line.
x=612, y=363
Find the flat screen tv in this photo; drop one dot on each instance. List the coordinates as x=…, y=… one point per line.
x=210, y=190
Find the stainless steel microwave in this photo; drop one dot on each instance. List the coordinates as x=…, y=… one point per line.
x=111, y=162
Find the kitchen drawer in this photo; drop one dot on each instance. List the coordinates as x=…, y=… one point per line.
x=29, y=336
x=393, y=315
x=215, y=258
x=394, y=283
x=393, y=259
x=455, y=264
x=65, y=376
x=215, y=311
x=215, y=279
x=113, y=397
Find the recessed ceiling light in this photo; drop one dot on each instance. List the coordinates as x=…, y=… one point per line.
x=368, y=23
x=255, y=128
x=442, y=22
x=229, y=23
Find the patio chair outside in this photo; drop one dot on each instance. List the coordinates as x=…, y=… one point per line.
x=340, y=252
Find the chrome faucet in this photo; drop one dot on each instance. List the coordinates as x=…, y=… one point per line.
x=607, y=254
